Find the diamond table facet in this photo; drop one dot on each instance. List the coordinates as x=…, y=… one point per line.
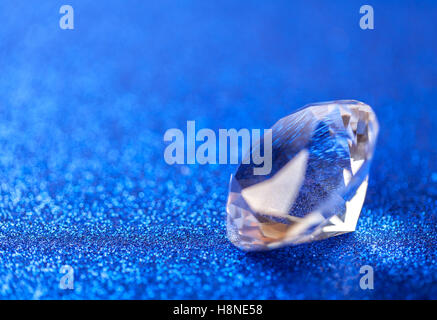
x=321, y=157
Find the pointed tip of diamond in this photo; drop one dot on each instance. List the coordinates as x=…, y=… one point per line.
x=320, y=161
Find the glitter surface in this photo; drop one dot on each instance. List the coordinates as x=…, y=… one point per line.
x=83, y=180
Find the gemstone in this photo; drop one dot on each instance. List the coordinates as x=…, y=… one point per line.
x=320, y=162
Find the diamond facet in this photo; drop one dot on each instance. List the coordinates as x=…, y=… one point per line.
x=321, y=157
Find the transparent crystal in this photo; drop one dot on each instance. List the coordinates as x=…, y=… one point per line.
x=321, y=156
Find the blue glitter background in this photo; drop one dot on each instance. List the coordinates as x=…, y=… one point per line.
x=83, y=112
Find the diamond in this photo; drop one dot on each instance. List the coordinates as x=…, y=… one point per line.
x=321, y=157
